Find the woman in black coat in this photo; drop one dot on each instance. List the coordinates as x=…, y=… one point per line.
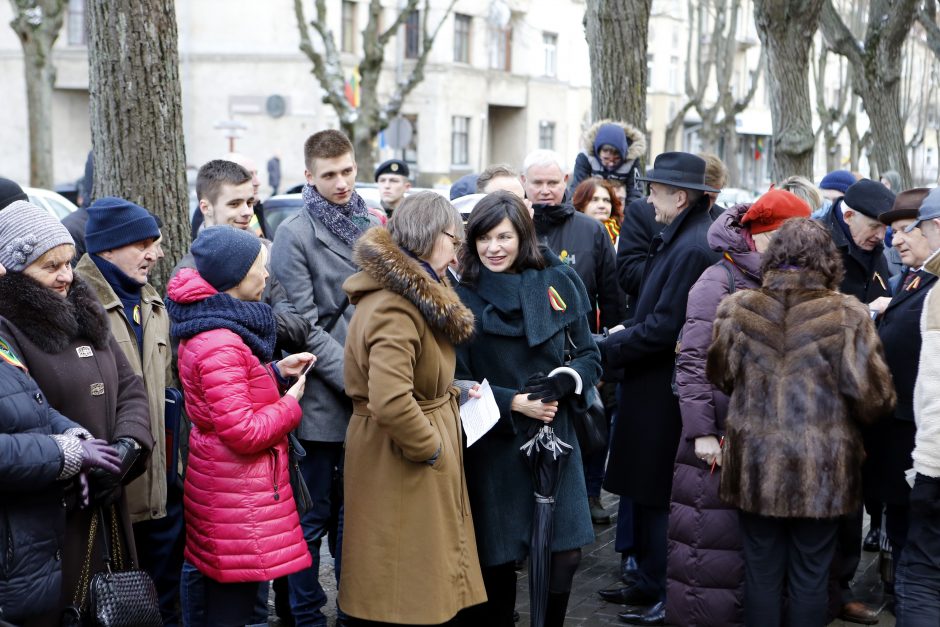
x=43, y=458
x=55, y=324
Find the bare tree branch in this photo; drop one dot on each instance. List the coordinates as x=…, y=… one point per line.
x=326, y=67
x=927, y=18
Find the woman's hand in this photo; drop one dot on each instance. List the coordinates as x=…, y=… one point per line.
x=708, y=449
x=474, y=392
x=293, y=365
x=534, y=409
x=297, y=390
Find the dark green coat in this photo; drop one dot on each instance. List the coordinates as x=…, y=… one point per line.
x=518, y=334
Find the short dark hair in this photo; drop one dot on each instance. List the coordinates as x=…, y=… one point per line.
x=584, y=193
x=216, y=173
x=500, y=170
x=487, y=214
x=804, y=244
x=328, y=144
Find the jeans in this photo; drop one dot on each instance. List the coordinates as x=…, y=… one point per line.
x=160, y=545
x=787, y=553
x=209, y=603
x=917, y=584
x=322, y=470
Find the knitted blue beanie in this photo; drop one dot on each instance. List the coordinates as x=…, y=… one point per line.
x=839, y=180
x=115, y=222
x=224, y=255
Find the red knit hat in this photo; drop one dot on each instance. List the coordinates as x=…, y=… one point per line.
x=772, y=209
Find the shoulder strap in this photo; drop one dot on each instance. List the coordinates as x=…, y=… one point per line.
x=336, y=316
x=730, y=272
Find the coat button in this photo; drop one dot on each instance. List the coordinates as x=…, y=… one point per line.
x=58, y=555
x=64, y=504
x=38, y=397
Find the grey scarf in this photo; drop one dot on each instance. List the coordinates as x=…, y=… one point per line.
x=346, y=222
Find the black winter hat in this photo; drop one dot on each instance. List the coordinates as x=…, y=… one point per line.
x=10, y=192
x=869, y=197
x=224, y=255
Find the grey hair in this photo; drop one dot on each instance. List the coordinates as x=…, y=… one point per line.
x=420, y=219
x=803, y=188
x=543, y=158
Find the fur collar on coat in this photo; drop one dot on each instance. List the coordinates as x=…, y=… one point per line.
x=392, y=269
x=50, y=321
x=635, y=136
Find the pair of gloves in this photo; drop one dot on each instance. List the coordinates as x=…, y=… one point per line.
x=104, y=467
x=548, y=389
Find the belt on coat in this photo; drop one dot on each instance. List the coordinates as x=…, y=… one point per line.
x=361, y=408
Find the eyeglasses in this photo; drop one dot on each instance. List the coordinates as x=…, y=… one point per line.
x=453, y=237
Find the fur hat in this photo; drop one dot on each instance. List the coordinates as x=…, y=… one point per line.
x=26, y=233
x=770, y=211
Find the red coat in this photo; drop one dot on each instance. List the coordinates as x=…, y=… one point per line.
x=241, y=519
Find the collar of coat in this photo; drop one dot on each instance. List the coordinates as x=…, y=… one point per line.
x=50, y=321
x=932, y=265
x=87, y=269
x=392, y=269
x=835, y=222
x=672, y=230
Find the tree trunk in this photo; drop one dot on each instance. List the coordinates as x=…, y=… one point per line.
x=136, y=115
x=616, y=32
x=37, y=24
x=786, y=31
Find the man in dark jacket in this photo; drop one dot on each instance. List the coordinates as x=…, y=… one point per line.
x=578, y=240
x=859, y=235
x=644, y=442
x=889, y=455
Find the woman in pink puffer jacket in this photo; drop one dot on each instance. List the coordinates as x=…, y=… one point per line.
x=242, y=526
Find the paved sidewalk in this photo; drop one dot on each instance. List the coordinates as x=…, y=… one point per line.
x=599, y=569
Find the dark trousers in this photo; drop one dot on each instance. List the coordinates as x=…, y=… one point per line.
x=594, y=465
x=624, y=541
x=651, y=526
x=796, y=552
x=322, y=470
x=897, y=521
x=209, y=603
x=160, y=545
x=849, y=551
x=917, y=586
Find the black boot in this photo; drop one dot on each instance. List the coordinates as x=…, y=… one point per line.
x=556, y=609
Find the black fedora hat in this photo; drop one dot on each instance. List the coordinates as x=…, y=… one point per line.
x=679, y=169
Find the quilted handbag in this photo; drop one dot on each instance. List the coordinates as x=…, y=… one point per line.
x=118, y=598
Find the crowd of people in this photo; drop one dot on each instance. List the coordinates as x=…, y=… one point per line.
x=767, y=372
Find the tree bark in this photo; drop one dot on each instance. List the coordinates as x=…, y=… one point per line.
x=786, y=31
x=37, y=24
x=878, y=76
x=616, y=32
x=136, y=115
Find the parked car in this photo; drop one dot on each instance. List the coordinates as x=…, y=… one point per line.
x=279, y=208
x=57, y=205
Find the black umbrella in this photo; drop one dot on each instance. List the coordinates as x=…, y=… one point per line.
x=544, y=453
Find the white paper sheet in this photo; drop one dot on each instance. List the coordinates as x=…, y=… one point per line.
x=479, y=415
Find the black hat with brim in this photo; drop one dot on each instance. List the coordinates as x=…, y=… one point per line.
x=679, y=169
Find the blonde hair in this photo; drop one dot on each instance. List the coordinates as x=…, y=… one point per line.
x=804, y=189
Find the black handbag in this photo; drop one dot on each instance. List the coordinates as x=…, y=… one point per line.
x=116, y=598
x=587, y=413
x=298, y=486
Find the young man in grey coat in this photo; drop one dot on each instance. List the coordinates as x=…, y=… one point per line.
x=312, y=257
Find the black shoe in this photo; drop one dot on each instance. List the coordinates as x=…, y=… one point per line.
x=872, y=542
x=627, y=595
x=628, y=569
x=652, y=615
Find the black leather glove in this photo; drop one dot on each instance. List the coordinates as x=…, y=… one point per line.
x=292, y=330
x=548, y=389
x=105, y=486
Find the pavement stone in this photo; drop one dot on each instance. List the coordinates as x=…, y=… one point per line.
x=600, y=568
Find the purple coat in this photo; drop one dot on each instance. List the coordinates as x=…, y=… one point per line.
x=705, y=568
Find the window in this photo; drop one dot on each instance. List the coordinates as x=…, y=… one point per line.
x=349, y=26
x=76, y=26
x=413, y=35
x=550, y=45
x=501, y=48
x=547, y=135
x=649, y=70
x=674, y=75
x=461, y=38
x=411, y=150
x=460, y=140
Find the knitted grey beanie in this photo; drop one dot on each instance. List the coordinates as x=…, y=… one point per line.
x=26, y=233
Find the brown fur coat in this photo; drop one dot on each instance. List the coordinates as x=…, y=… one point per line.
x=802, y=365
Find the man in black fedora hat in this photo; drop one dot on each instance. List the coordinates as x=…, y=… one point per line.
x=648, y=426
